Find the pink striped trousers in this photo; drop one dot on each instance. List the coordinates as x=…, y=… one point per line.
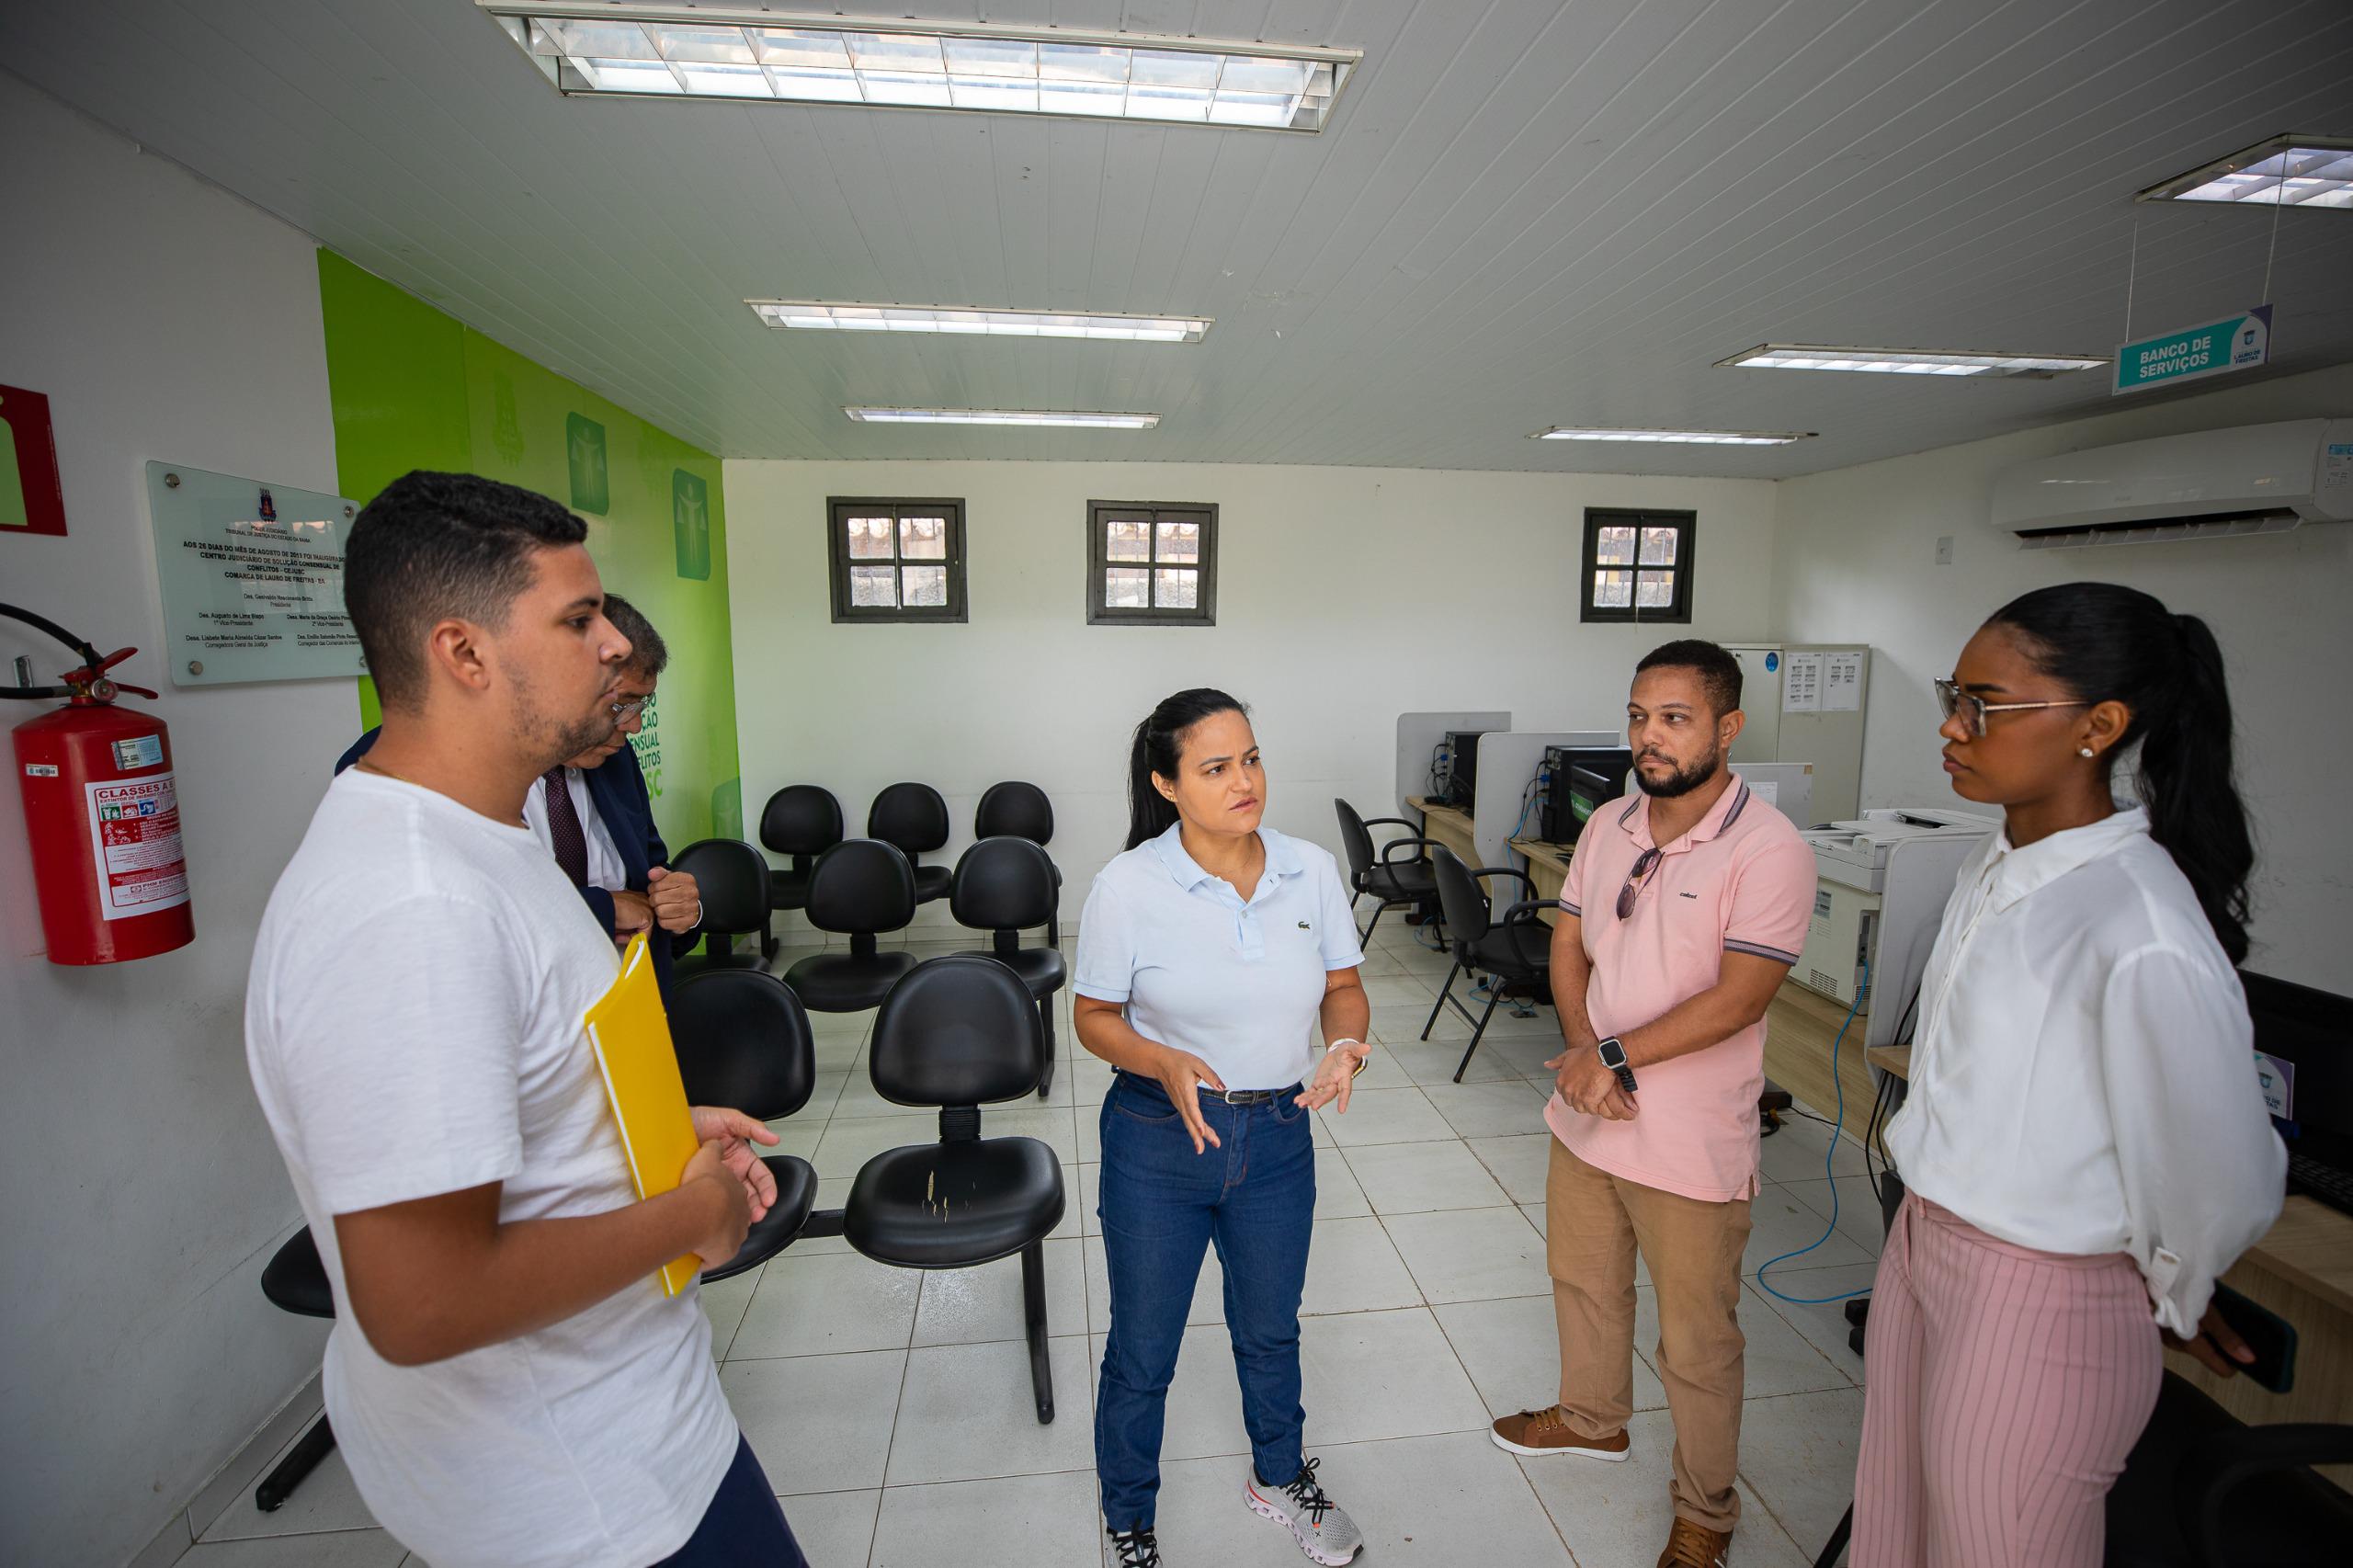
x=2005, y=1389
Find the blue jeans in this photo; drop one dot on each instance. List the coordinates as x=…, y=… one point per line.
x=743, y=1525
x=1161, y=1203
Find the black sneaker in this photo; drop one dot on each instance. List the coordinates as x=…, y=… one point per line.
x=1137, y=1549
x=1322, y=1529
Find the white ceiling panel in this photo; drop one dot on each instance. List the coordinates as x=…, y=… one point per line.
x=1522, y=214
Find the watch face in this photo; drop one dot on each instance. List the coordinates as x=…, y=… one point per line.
x=1613, y=1054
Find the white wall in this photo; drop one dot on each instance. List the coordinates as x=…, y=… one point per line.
x=1858, y=561
x=164, y=319
x=1345, y=597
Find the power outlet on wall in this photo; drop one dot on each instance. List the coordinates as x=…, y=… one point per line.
x=1944, y=550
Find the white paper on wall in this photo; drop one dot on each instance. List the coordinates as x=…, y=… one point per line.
x=1802, y=684
x=1842, y=683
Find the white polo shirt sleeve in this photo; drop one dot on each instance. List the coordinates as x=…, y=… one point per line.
x=1107, y=945
x=1341, y=948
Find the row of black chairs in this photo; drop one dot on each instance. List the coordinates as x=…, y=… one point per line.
x=800, y=822
x=955, y=1033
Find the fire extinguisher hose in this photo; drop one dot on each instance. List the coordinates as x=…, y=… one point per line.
x=89, y=655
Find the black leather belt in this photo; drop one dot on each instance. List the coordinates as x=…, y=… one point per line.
x=1248, y=1096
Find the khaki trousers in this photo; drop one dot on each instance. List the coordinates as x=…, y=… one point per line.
x=1593, y=1221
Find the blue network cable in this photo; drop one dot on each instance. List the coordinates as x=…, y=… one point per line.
x=1828, y=1169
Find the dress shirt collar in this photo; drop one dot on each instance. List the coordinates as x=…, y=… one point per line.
x=2016, y=873
x=1282, y=857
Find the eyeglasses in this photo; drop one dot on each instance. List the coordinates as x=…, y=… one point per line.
x=1633, y=888
x=623, y=712
x=1955, y=702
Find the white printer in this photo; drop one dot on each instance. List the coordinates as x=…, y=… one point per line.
x=1881, y=884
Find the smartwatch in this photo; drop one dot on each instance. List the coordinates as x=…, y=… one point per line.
x=1613, y=1056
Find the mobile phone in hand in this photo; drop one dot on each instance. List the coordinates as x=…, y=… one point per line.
x=2269, y=1336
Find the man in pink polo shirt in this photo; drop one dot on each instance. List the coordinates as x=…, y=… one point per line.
x=1682, y=911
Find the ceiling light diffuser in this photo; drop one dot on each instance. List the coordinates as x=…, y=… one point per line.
x=1688, y=437
x=811, y=315
x=1908, y=361
x=2287, y=171
x=1072, y=419
x=701, y=52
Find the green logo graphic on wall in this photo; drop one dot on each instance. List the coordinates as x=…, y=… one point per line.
x=583, y=446
x=647, y=743
x=727, y=810
x=690, y=520
x=506, y=424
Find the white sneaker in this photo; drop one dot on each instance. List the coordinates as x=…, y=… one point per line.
x=1323, y=1530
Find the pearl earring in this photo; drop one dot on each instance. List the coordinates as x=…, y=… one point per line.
x=2084, y=751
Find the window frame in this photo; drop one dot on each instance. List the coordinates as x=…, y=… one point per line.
x=1098, y=561
x=1678, y=610
x=840, y=508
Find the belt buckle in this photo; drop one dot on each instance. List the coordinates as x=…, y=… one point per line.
x=1228, y=1095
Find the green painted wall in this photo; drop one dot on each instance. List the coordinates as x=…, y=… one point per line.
x=413, y=389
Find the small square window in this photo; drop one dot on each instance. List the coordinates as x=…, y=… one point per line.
x=896, y=561
x=1637, y=566
x=1151, y=564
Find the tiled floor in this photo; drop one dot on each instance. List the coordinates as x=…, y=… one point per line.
x=892, y=1409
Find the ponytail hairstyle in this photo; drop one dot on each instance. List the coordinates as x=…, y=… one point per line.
x=2104, y=643
x=1158, y=745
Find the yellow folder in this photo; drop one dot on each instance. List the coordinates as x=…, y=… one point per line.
x=631, y=1037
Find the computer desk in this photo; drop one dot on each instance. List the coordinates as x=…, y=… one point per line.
x=1450, y=826
x=2302, y=1269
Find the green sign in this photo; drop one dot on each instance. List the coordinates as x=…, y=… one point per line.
x=691, y=524
x=2234, y=343
x=584, y=446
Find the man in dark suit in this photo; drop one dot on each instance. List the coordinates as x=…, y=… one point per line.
x=600, y=825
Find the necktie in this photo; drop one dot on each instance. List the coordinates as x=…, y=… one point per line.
x=564, y=831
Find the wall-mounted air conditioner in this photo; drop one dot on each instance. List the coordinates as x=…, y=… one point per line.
x=2208, y=484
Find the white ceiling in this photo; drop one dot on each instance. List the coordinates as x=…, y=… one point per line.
x=1523, y=214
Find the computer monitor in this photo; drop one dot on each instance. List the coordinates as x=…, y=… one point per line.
x=1583, y=779
x=1463, y=764
x=2310, y=1031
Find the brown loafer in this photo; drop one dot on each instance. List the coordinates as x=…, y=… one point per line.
x=1695, y=1546
x=1540, y=1432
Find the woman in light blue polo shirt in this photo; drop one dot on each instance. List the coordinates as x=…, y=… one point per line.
x=1207, y=998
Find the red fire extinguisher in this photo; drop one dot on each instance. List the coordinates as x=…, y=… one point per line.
x=102, y=814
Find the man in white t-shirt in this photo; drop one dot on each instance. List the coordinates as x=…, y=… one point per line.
x=505, y=1378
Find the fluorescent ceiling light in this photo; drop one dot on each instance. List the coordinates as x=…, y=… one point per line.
x=1688, y=437
x=2287, y=171
x=699, y=51
x=1073, y=419
x=1906, y=361
x=812, y=315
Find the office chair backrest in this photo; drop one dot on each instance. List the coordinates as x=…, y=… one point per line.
x=743, y=1041
x=1355, y=837
x=912, y=816
x=1003, y=884
x=1458, y=896
x=959, y=1030
x=1015, y=809
x=733, y=878
x=861, y=885
x=801, y=820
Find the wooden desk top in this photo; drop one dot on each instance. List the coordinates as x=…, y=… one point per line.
x=1433, y=808
x=1543, y=852
x=1895, y=1058
x=2310, y=1245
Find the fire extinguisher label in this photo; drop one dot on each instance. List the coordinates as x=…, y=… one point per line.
x=41, y=770
x=135, y=835
x=146, y=751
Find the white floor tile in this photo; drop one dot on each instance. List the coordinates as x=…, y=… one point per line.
x=328, y=1500
x=968, y=1306
x=825, y=1303
x=1518, y=1162
x=1352, y=1267
x=1823, y=1323
x=1086, y=1196
x=967, y=1413
x=1398, y=991
x=1796, y=1152
x=1372, y=1375
x=1030, y=1522
x=834, y=1530
x=1402, y=1026
x=1499, y=1109
x=1780, y=1222
x=1385, y=1115
x=1338, y=1194
x=1618, y=1515
x=848, y=1143
x=1526, y=1055
x=1411, y=1178
x=1472, y=1254
x=724, y=1304
x=1858, y=1207
x=818, y=1423
x=1798, y=1454
x=1432, y=1062
x=1512, y=1350
x=343, y=1548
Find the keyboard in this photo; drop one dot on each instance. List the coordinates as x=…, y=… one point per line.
x=2331, y=1184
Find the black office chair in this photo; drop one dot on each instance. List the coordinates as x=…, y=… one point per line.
x=914, y=818
x=800, y=822
x=743, y=1041
x=295, y=1280
x=733, y=878
x=1005, y=886
x=860, y=888
x=1395, y=881
x=1515, y=954
x=1015, y=809
x=958, y=1033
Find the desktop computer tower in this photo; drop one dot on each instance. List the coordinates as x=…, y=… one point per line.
x=1463, y=766
x=1582, y=780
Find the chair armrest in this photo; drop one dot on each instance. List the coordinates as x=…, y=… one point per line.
x=1483, y=873
x=2219, y=1461
x=1389, y=859
x=1392, y=822
x=1518, y=920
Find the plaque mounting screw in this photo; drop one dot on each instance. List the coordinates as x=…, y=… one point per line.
x=196, y=666
x=171, y=481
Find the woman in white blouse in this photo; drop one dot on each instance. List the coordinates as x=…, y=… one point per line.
x=2083, y=1147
